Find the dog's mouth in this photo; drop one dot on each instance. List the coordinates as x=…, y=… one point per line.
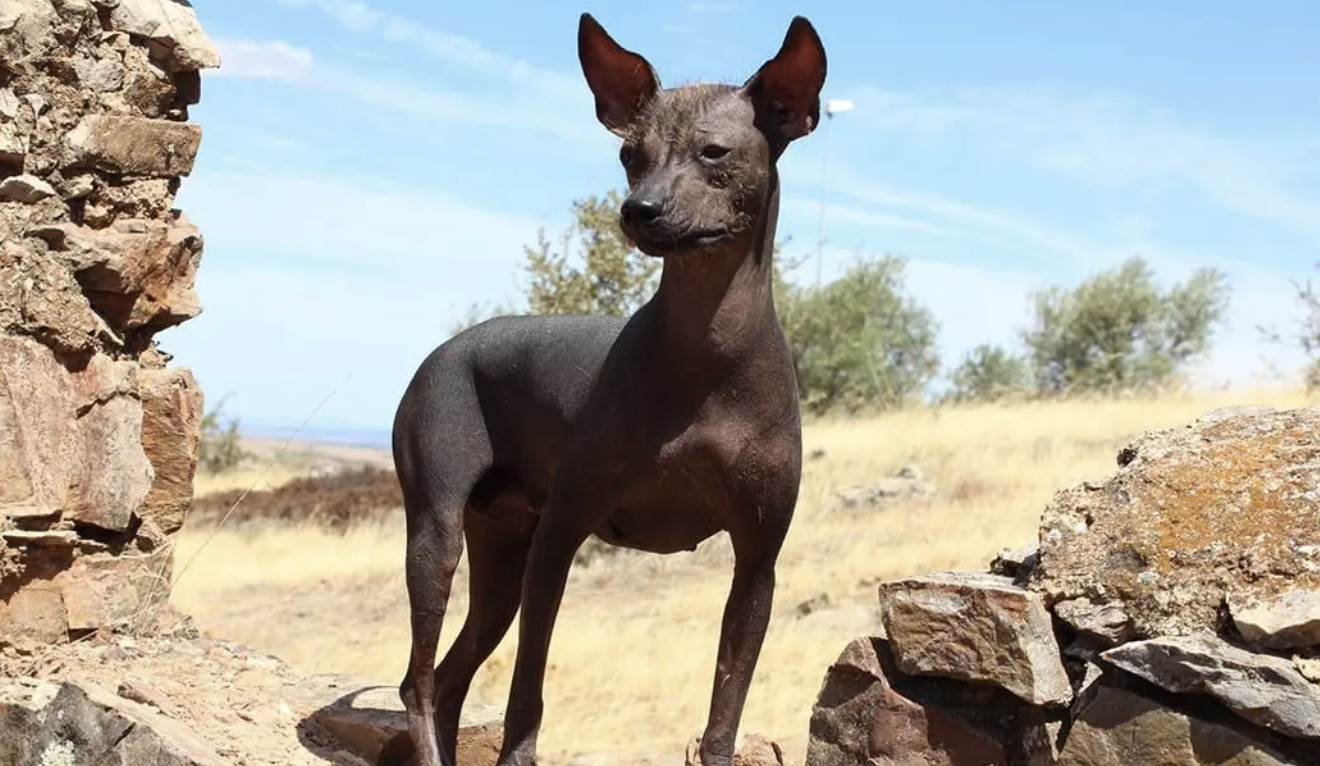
x=660, y=245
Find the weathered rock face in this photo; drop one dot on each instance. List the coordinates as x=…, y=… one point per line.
x=975, y=627
x=98, y=437
x=870, y=712
x=1170, y=615
x=1120, y=728
x=1222, y=511
x=1268, y=691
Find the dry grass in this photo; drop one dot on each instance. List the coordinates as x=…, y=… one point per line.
x=634, y=650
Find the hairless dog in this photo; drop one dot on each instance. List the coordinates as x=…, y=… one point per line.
x=526, y=435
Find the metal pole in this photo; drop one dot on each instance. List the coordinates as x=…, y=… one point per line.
x=824, y=171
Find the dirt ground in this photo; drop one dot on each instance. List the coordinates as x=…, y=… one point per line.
x=633, y=652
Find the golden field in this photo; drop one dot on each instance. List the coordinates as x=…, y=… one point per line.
x=633, y=653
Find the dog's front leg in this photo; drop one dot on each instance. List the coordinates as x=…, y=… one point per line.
x=746, y=617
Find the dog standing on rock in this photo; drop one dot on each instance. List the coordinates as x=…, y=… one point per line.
x=526, y=435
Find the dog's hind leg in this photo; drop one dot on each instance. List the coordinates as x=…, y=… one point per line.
x=497, y=544
x=436, y=475
x=435, y=543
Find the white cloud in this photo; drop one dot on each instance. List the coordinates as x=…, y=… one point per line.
x=263, y=59
x=518, y=109
x=360, y=18
x=835, y=213
x=1112, y=141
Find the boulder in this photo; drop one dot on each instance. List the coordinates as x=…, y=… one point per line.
x=750, y=750
x=1106, y=623
x=121, y=591
x=975, y=627
x=1286, y=620
x=171, y=428
x=172, y=28
x=1120, y=728
x=371, y=723
x=908, y=483
x=26, y=189
x=1193, y=514
x=136, y=272
x=1265, y=690
x=134, y=146
x=70, y=441
x=45, y=724
x=869, y=712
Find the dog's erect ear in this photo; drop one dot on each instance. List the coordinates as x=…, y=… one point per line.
x=622, y=81
x=786, y=89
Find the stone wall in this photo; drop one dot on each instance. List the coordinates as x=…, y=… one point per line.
x=98, y=434
x=1170, y=615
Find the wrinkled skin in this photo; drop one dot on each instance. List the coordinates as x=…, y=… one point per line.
x=525, y=435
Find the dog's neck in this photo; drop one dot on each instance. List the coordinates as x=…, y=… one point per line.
x=717, y=305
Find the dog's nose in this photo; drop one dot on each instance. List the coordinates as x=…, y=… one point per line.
x=641, y=210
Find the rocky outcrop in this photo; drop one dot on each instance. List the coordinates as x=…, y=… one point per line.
x=1170, y=615
x=98, y=434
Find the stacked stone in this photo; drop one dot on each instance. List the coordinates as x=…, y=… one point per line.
x=1170, y=615
x=98, y=435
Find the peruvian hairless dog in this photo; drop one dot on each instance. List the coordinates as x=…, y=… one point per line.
x=526, y=435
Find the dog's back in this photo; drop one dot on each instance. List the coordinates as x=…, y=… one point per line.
x=501, y=394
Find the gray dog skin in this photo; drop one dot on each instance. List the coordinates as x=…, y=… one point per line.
x=526, y=435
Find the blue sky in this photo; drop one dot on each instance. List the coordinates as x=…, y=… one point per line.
x=370, y=169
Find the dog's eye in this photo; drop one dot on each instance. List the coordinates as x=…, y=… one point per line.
x=626, y=154
x=713, y=151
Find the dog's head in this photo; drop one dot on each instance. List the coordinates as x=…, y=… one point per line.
x=700, y=158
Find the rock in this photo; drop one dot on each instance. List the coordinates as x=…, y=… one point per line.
x=136, y=273
x=975, y=627
x=33, y=615
x=1107, y=623
x=172, y=26
x=814, y=604
x=171, y=427
x=88, y=461
x=1309, y=668
x=372, y=724
x=1193, y=514
x=47, y=724
x=750, y=750
x=1288, y=620
x=907, y=483
x=135, y=146
x=1015, y=563
x=868, y=712
x=61, y=538
x=1266, y=690
x=13, y=144
x=39, y=298
x=115, y=591
x=1120, y=728
x=8, y=103
x=25, y=189
x=27, y=27
x=102, y=75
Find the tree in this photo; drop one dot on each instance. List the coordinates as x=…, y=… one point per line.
x=859, y=342
x=1116, y=331
x=612, y=280
x=989, y=373
x=1307, y=336
x=220, y=448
